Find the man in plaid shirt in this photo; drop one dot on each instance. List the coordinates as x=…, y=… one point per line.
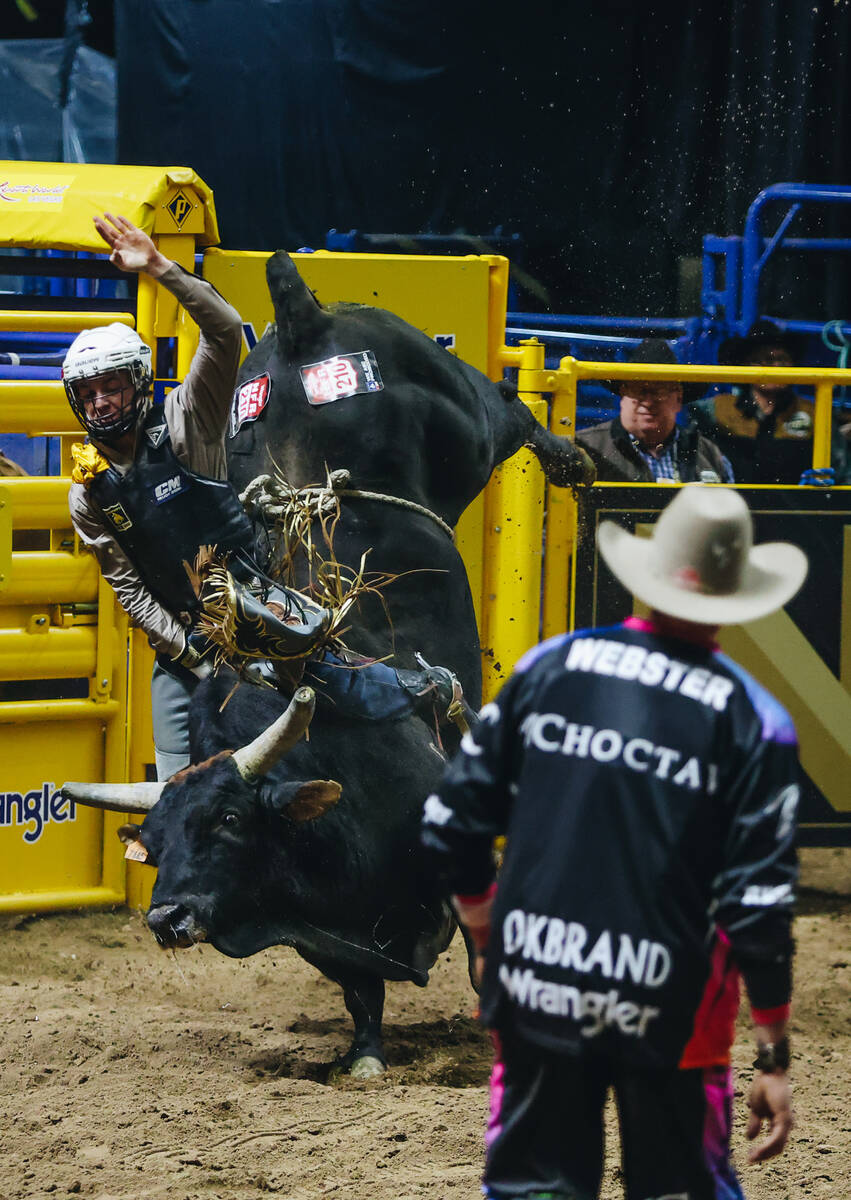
x=645, y=444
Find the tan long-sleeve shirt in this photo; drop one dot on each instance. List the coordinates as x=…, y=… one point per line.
x=196, y=412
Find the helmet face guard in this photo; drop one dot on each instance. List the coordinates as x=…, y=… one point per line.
x=97, y=354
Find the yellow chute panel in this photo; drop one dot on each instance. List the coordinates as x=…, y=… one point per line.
x=52, y=204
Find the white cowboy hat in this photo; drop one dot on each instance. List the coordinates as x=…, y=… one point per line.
x=700, y=563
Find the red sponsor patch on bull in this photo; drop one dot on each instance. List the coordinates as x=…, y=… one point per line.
x=341, y=376
x=249, y=401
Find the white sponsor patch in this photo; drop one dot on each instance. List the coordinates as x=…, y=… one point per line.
x=156, y=434
x=602, y=1010
x=435, y=812
x=118, y=515
x=554, y=942
x=764, y=896
x=551, y=733
x=488, y=716
x=652, y=668
x=168, y=488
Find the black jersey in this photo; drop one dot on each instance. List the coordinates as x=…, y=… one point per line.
x=648, y=788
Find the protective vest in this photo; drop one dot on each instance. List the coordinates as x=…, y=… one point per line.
x=160, y=513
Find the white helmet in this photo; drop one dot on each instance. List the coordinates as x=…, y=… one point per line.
x=96, y=352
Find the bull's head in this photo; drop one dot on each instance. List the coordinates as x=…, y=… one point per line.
x=208, y=827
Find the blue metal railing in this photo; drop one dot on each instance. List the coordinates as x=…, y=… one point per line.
x=757, y=250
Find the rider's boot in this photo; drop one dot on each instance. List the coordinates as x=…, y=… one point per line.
x=437, y=691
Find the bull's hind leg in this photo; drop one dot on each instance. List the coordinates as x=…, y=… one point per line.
x=364, y=996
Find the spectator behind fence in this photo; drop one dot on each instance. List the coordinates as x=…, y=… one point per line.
x=766, y=429
x=647, y=788
x=646, y=444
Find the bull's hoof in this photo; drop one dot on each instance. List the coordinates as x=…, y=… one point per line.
x=368, y=1067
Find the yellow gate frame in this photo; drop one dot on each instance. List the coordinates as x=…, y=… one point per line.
x=58, y=619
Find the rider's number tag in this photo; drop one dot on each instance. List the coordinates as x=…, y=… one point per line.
x=341, y=376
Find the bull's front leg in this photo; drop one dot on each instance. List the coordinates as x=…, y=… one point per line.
x=563, y=462
x=363, y=994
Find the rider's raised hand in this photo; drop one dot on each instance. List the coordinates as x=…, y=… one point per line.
x=132, y=249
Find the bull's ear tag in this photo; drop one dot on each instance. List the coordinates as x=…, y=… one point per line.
x=249, y=400
x=341, y=376
x=136, y=852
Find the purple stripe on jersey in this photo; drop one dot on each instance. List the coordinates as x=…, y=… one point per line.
x=532, y=656
x=777, y=725
x=717, y=1125
x=561, y=639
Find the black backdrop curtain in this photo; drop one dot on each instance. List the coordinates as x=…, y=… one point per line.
x=610, y=136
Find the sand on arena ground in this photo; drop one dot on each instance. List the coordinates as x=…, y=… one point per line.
x=127, y=1072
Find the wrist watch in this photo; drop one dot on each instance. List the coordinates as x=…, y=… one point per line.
x=772, y=1056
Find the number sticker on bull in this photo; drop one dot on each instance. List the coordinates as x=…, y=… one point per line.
x=249, y=401
x=341, y=376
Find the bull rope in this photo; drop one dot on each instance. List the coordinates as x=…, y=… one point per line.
x=276, y=498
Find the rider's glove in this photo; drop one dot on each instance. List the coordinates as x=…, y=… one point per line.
x=196, y=655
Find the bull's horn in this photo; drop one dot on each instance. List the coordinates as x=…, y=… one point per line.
x=115, y=797
x=259, y=756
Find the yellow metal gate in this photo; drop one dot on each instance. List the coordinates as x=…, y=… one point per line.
x=69, y=677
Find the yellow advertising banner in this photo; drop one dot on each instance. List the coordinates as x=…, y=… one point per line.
x=52, y=204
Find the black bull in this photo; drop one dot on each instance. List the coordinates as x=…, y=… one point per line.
x=248, y=864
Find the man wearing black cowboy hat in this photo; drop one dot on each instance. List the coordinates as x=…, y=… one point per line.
x=647, y=788
x=645, y=444
x=765, y=429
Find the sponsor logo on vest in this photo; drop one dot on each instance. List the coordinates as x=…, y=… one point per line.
x=558, y=943
x=118, y=516
x=602, y=1009
x=156, y=434
x=555, y=942
x=35, y=809
x=168, y=488
x=650, y=667
x=552, y=733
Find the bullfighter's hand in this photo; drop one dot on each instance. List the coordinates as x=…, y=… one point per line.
x=132, y=249
x=769, y=1099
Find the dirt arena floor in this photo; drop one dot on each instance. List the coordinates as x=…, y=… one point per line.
x=128, y=1073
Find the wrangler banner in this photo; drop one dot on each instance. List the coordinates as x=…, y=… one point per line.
x=802, y=654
